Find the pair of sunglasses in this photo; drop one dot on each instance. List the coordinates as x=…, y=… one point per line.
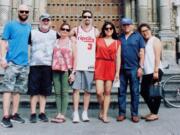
x=24, y=11
x=89, y=17
x=108, y=28
x=64, y=29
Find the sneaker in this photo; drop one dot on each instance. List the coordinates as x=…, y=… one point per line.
x=76, y=117
x=5, y=122
x=16, y=118
x=33, y=118
x=43, y=117
x=85, y=116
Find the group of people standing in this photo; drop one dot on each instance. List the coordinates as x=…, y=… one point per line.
x=73, y=59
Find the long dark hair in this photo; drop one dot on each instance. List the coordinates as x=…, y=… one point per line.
x=103, y=34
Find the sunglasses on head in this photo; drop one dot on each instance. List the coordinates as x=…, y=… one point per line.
x=87, y=17
x=108, y=28
x=64, y=29
x=24, y=11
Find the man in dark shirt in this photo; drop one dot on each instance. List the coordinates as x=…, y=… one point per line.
x=132, y=59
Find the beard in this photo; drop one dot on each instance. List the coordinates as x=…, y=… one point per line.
x=22, y=18
x=87, y=22
x=46, y=27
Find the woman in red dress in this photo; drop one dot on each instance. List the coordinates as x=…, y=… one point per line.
x=107, y=66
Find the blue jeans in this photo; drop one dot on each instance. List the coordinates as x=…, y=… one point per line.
x=128, y=76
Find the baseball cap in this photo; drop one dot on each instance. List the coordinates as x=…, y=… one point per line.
x=44, y=16
x=125, y=21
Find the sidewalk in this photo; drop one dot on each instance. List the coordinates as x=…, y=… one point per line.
x=169, y=124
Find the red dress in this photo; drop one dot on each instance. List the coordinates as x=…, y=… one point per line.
x=105, y=64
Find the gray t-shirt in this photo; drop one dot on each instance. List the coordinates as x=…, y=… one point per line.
x=42, y=47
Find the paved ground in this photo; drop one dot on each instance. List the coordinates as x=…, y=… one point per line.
x=169, y=124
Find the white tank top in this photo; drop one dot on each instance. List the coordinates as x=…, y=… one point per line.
x=86, y=44
x=149, y=61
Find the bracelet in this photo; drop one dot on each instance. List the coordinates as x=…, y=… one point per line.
x=140, y=66
x=73, y=72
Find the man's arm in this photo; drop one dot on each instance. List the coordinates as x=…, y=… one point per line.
x=73, y=32
x=97, y=32
x=3, y=51
x=141, y=56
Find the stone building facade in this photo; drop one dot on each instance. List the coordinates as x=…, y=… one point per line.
x=162, y=15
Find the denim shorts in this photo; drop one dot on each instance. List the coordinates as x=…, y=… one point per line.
x=83, y=80
x=15, y=79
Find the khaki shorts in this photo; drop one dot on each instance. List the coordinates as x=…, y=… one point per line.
x=15, y=79
x=83, y=80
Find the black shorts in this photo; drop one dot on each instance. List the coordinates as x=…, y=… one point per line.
x=40, y=81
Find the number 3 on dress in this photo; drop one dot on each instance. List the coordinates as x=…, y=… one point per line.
x=89, y=46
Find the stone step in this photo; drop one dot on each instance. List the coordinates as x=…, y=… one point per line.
x=114, y=93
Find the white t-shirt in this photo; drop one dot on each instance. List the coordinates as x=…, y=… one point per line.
x=86, y=45
x=42, y=47
x=149, y=60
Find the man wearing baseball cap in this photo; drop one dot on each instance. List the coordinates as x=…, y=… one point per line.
x=42, y=40
x=132, y=61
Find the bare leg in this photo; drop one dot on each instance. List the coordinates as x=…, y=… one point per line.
x=16, y=99
x=42, y=103
x=75, y=100
x=107, y=97
x=86, y=100
x=6, y=103
x=100, y=95
x=34, y=100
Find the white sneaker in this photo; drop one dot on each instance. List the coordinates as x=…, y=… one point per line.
x=85, y=116
x=76, y=117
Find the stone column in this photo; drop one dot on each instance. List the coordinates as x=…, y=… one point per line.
x=127, y=7
x=36, y=10
x=43, y=6
x=149, y=3
x=154, y=11
x=14, y=9
x=177, y=4
x=142, y=11
x=133, y=10
x=166, y=34
x=5, y=12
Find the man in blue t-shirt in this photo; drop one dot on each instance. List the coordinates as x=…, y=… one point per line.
x=132, y=60
x=14, y=59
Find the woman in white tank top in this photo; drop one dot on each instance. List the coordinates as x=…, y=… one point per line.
x=152, y=70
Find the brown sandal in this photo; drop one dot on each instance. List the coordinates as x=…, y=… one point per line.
x=105, y=121
x=58, y=120
x=152, y=118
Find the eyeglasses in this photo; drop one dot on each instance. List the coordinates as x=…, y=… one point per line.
x=142, y=31
x=108, y=28
x=24, y=11
x=64, y=29
x=89, y=17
